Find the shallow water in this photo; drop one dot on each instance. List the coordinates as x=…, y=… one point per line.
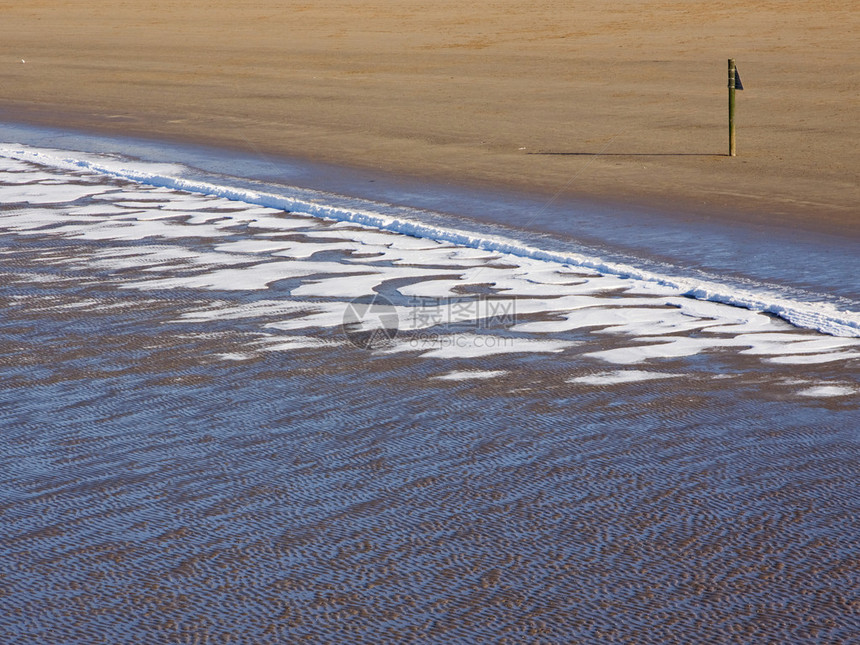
x=806, y=265
x=195, y=450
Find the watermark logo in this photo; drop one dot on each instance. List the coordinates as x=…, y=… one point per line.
x=372, y=322
x=475, y=313
x=369, y=323
x=463, y=344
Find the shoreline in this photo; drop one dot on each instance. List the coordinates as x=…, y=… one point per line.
x=810, y=289
x=758, y=211
x=624, y=108
x=294, y=208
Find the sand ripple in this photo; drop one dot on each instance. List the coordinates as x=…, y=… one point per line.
x=191, y=460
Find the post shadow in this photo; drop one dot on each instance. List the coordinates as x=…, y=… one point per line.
x=628, y=154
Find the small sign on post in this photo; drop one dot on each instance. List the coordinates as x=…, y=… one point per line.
x=734, y=84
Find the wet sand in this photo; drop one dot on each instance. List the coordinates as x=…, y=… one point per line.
x=195, y=450
x=624, y=105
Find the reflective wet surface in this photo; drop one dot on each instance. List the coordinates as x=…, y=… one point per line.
x=194, y=451
x=807, y=264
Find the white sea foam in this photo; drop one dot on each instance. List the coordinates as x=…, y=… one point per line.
x=361, y=284
x=13, y=166
x=201, y=242
x=250, y=278
x=772, y=345
x=48, y=193
x=825, y=391
x=469, y=345
x=823, y=317
x=621, y=376
x=466, y=375
x=221, y=310
x=290, y=343
x=813, y=359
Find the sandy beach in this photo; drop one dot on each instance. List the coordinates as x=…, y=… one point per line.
x=241, y=406
x=624, y=105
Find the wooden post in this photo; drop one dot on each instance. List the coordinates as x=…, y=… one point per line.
x=732, y=74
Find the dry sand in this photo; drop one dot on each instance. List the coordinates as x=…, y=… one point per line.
x=622, y=101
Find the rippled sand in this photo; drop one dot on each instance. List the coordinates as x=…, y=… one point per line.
x=194, y=451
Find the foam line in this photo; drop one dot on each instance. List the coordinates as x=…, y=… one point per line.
x=822, y=317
